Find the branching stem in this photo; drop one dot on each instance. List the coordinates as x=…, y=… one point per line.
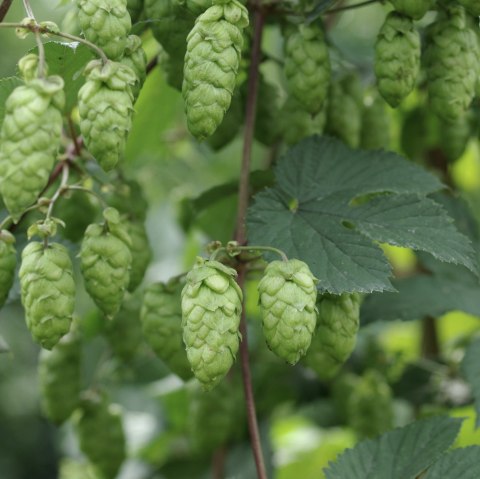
x=62, y=187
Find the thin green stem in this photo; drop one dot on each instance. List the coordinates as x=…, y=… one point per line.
x=28, y=9
x=62, y=187
x=262, y=248
x=89, y=191
x=352, y=7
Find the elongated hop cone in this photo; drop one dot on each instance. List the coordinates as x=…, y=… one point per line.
x=451, y=59
x=455, y=135
x=415, y=9
x=105, y=105
x=211, y=309
x=161, y=317
x=105, y=23
x=47, y=291
x=211, y=64
x=397, y=58
x=307, y=66
x=287, y=299
x=141, y=253
x=59, y=375
x=336, y=333
x=105, y=260
x=30, y=137
x=136, y=58
x=8, y=262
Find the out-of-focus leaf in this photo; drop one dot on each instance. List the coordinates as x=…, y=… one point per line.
x=471, y=370
x=7, y=85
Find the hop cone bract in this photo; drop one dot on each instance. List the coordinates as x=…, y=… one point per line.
x=136, y=58
x=415, y=9
x=8, y=261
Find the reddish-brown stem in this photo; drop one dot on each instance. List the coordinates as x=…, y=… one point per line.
x=4, y=7
x=152, y=64
x=430, y=343
x=73, y=134
x=218, y=463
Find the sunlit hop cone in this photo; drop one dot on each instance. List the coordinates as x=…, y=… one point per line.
x=287, y=299
x=415, y=9
x=8, y=261
x=211, y=309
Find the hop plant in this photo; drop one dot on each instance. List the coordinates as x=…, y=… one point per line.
x=105, y=105
x=128, y=199
x=336, y=333
x=415, y=9
x=161, y=317
x=267, y=126
x=100, y=434
x=30, y=137
x=451, y=60
x=141, y=253
x=105, y=23
x=60, y=379
x=47, y=291
x=287, y=299
x=211, y=64
x=454, y=136
x=307, y=66
x=106, y=259
x=135, y=58
x=197, y=6
x=8, y=262
x=172, y=67
x=397, y=58
x=211, y=309
x=472, y=6
x=375, y=132
x=135, y=9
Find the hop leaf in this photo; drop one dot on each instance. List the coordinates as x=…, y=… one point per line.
x=105, y=261
x=336, y=333
x=415, y=9
x=105, y=105
x=8, y=261
x=287, y=299
x=211, y=64
x=397, y=58
x=105, y=23
x=375, y=133
x=211, y=308
x=47, y=291
x=307, y=66
x=60, y=379
x=136, y=58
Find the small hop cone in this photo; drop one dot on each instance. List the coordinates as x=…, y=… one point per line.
x=197, y=6
x=59, y=375
x=375, y=133
x=136, y=58
x=141, y=253
x=105, y=105
x=415, y=9
x=287, y=299
x=105, y=23
x=336, y=333
x=451, y=59
x=100, y=434
x=455, y=135
x=161, y=317
x=211, y=309
x=307, y=67
x=47, y=291
x=212, y=61
x=30, y=137
x=8, y=262
x=397, y=58
x=105, y=260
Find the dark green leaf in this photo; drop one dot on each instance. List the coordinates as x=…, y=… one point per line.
x=7, y=85
x=471, y=371
x=460, y=463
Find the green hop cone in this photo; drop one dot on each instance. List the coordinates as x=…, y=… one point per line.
x=415, y=9
x=8, y=262
x=267, y=126
x=59, y=375
x=472, y=6
x=135, y=9
x=212, y=61
x=161, y=317
x=100, y=434
x=47, y=291
x=211, y=309
x=105, y=260
x=451, y=60
x=336, y=333
x=454, y=136
x=196, y=6
x=136, y=58
x=105, y=23
x=307, y=66
x=105, y=105
x=128, y=199
x=141, y=253
x=375, y=133
x=30, y=137
x=397, y=58
x=287, y=299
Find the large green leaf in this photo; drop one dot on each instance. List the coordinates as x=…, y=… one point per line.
x=399, y=454
x=471, y=371
x=7, y=85
x=331, y=203
x=462, y=463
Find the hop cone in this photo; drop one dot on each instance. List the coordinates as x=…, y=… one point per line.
x=307, y=67
x=397, y=58
x=141, y=253
x=8, y=261
x=105, y=105
x=136, y=58
x=59, y=376
x=415, y=9
x=100, y=434
x=161, y=316
x=454, y=136
x=128, y=199
x=30, y=137
x=197, y=6
x=211, y=309
x=135, y=9
x=105, y=23
x=105, y=259
x=472, y=6
x=375, y=133
x=336, y=334
x=47, y=291
x=451, y=59
x=267, y=126
x=211, y=64
x=287, y=299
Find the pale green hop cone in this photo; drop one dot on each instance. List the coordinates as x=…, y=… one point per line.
x=136, y=58
x=287, y=299
x=336, y=334
x=8, y=262
x=415, y=9
x=47, y=291
x=211, y=310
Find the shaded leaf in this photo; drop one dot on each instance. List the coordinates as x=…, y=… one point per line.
x=471, y=371
x=462, y=463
